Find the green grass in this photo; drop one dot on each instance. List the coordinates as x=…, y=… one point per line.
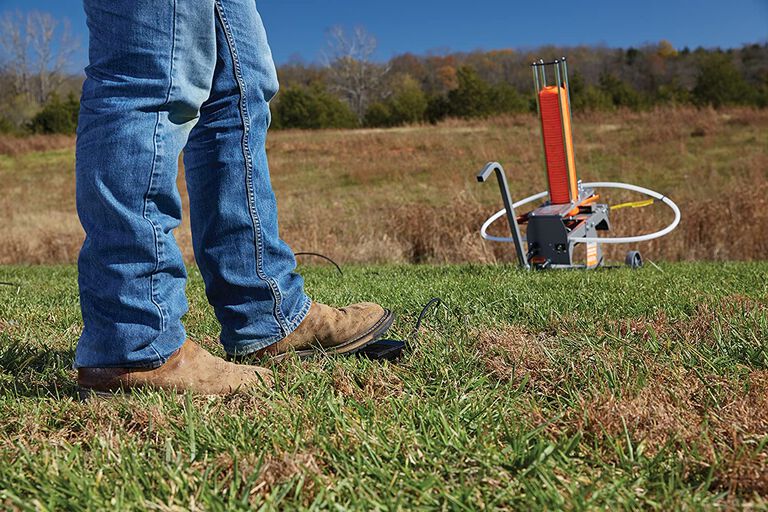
x=525, y=391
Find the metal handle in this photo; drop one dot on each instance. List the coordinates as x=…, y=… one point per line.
x=482, y=177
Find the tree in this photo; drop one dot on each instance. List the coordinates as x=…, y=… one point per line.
x=353, y=74
x=407, y=104
x=438, y=108
x=587, y=98
x=441, y=75
x=15, y=112
x=505, y=99
x=312, y=107
x=621, y=93
x=666, y=50
x=672, y=93
x=37, y=49
x=472, y=97
x=719, y=83
x=762, y=95
x=57, y=116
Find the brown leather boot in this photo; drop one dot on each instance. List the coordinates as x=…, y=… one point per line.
x=191, y=368
x=327, y=330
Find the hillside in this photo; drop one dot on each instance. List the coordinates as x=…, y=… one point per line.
x=409, y=194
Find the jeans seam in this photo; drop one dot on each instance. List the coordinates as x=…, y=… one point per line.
x=292, y=326
x=154, y=297
x=244, y=115
x=160, y=359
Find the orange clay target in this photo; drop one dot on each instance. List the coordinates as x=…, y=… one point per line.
x=556, y=124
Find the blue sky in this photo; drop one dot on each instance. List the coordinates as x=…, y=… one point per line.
x=297, y=28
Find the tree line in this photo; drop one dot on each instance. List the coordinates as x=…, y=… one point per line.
x=349, y=89
x=426, y=89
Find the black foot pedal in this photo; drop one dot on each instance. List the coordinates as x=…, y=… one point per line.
x=383, y=350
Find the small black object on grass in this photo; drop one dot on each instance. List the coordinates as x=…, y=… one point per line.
x=391, y=350
x=383, y=350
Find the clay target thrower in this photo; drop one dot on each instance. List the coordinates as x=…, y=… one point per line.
x=572, y=215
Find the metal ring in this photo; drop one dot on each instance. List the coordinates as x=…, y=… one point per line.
x=608, y=240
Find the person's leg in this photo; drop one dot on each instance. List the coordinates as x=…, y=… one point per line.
x=152, y=64
x=248, y=270
x=151, y=67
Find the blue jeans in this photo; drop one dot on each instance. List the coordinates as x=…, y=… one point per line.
x=166, y=76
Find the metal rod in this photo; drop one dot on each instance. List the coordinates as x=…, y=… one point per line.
x=568, y=91
x=562, y=127
x=537, y=69
x=570, y=113
x=501, y=176
x=540, y=62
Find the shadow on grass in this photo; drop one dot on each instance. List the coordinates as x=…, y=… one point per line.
x=35, y=372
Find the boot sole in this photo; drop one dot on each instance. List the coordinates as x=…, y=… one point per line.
x=350, y=347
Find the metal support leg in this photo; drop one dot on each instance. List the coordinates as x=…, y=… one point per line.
x=482, y=177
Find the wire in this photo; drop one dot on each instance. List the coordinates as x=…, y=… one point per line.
x=318, y=255
x=435, y=301
x=431, y=304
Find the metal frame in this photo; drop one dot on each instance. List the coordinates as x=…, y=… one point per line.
x=482, y=177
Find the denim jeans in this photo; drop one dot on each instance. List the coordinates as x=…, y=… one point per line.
x=166, y=76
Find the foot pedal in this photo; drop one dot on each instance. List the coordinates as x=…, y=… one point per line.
x=383, y=350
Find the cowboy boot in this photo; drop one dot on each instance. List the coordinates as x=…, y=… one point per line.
x=190, y=368
x=327, y=330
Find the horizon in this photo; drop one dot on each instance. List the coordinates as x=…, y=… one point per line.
x=451, y=29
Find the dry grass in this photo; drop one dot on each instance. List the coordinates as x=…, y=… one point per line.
x=269, y=473
x=378, y=383
x=15, y=146
x=676, y=412
x=515, y=355
x=409, y=195
x=709, y=421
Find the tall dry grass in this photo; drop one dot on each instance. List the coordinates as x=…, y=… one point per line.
x=409, y=194
x=15, y=146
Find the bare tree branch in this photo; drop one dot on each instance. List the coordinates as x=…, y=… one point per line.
x=15, y=42
x=38, y=48
x=353, y=74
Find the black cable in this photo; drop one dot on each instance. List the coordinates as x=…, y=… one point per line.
x=388, y=351
x=3, y=283
x=435, y=301
x=391, y=349
x=318, y=255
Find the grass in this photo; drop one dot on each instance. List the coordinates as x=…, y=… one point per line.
x=408, y=195
x=558, y=390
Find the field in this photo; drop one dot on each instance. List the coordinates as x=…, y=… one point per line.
x=555, y=390
x=408, y=195
x=607, y=390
